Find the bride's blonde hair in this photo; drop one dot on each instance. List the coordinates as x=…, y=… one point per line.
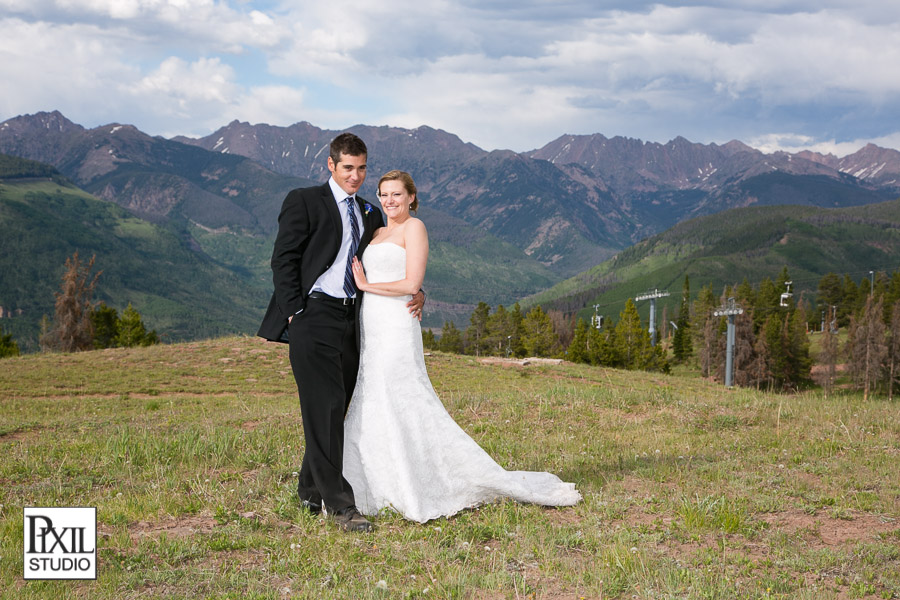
x=408, y=184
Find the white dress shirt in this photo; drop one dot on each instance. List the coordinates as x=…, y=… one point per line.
x=331, y=282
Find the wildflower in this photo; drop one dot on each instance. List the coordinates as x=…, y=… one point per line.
x=381, y=585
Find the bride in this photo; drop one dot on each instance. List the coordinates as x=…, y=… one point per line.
x=402, y=450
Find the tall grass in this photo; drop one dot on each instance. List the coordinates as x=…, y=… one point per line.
x=189, y=453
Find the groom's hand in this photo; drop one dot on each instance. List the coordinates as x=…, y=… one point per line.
x=415, y=305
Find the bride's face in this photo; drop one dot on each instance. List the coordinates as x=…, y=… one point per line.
x=395, y=200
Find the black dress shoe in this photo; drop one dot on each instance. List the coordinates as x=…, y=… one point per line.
x=349, y=519
x=313, y=507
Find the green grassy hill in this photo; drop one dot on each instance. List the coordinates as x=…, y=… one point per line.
x=691, y=491
x=723, y=249
x=181, y=293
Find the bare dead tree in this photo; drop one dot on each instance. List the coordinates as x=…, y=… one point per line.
x=72, y=329
x=744, y=353
x=867, y=350
x=708, y=349
x=828, y=357
x=760, y=368
x=894, y=349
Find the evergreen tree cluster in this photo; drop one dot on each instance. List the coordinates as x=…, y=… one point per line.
x=624, y=345
x=871, y=312
x=127, y=330
x=502, y=333
x=771, y=346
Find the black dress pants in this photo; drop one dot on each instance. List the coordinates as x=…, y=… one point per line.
x=325, y=360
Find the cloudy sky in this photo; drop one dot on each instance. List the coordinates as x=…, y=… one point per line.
x=820, y=74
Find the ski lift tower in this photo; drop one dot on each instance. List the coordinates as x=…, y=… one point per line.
x=729, y=310
x=652, y=295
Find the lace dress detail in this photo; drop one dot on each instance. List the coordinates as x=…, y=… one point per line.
x=402, y=449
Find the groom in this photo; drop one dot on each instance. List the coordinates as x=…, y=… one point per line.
x=315, y=308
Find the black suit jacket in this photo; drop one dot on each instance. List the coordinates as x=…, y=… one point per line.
x=308, y=240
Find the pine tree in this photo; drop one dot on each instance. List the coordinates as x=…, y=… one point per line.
x=476, y=334
x=105, y=321
x=892, y=295
x=768, y=301
x=632, y=340
x=851, y=297
x=451, y=339
x=539, y=339
x=131, y=330
x=800, y=361
x=563, y=327
x=429, y=341
x=682, y=347
x=604, y=348
x=745, y=294
x=578, y=349
x=517, y=331
x=830, y=293
x=773, y=330
x=760, y=368
x=499, y=332
x=8, y=346
x=72, y=329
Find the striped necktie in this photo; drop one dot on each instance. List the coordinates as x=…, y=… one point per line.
x=349, y=283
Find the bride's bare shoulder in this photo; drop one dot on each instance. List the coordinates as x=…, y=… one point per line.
x=415, y=226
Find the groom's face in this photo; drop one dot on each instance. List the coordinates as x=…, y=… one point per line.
x=349, y=172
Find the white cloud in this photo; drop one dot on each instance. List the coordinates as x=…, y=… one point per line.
x=499, y=73
x=793, y=143
x=206, y=81
x=46, y=67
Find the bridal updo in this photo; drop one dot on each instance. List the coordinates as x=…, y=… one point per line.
x=408, y=184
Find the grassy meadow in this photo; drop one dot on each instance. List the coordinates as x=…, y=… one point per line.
x=188, y=452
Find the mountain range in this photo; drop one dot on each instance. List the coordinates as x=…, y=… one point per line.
x=503, y=225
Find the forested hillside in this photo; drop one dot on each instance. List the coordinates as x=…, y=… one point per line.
x=748, y=243
x=182, y=293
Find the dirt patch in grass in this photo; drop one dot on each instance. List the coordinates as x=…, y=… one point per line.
x=823, y=530
x=175, y=527
x=18, y=435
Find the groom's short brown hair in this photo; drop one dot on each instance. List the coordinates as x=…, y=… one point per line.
x=349, y=144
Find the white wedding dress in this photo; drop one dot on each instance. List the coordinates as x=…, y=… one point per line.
x=402, y=450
